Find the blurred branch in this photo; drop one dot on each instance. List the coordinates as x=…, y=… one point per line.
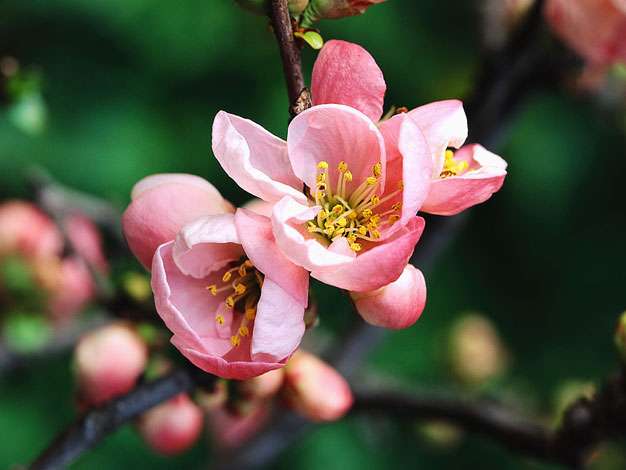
x=98, y=423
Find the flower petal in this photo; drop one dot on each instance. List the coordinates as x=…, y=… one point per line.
x=449, y=196
x=377, y=266
x=334, y=133
x=254, y=158
x=444, y=125
x=206, y=245
x=160, y=208
x=288, y=219
x=345, y=73
x=278, y=326
x=397, y=305
x=257, y=239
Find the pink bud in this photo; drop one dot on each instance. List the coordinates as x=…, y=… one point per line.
x=397, y=305
x=339, y=8
x=263, y=386
x=27, y=231
x=86, y=240
x=314, y=389
x=108, y=362
x=72, y=291
x=231, y=430
x=173, y=426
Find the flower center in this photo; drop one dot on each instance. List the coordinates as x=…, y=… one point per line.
x=243, y=284
x=353, y=213
x=451, y=166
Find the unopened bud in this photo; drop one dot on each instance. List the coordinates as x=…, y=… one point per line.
x=108, y=362
x=620, y=336
x=314, y=389
x=263, y=386
x=232, y=430
x=173, y=426
x=331, y=9
x=27, y=231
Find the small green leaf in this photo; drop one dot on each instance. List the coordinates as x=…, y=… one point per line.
x=312, y=38
x=26, y=332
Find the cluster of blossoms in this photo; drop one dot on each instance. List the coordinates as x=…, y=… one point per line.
x=30, y=237
x=110, y=360
x=341, y=196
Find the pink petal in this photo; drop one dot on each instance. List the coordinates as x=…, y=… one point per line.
x=334, y=133
x=86, y=240
x=206, y=245
x=449, y=196
x=288, y=221
x=409, y=160
x=257, y=239
x=444, y=125
x=278, y=326
x=254, y=158
x=397, y=305
x=238, y=370
x=378, y=266
x=185, y=305
x=345, y=73
x=158, y=212
x=259, y=206
x=152, y=181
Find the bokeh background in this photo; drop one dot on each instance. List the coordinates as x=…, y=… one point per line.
x=130, y=88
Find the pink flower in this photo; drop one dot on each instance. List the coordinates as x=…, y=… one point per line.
x=26, y=230
x=234, y=303
x=316, y=390
x=345, y=73
x=596, y=29
x=231, y=430
x=108, y=362
x=172, y=427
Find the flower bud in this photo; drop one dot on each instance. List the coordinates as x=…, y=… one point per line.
x=86, y=240
x=231, y=430
x=397, y=305
x=263, y=386
x=108, y=362
x=314, y=389
x=330, y=9
x=173, y=426
x=620, y=337
x=73, y=289
x=27, y=231
x=477, y=354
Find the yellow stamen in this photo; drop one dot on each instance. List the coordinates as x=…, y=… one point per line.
x=219, y=319
x=240, y=289
x=226, y=277
x=378, y=169
x=250, y=313
x=230, y=301
x=322, y=165
x=212, y=289
x=243, y=331
x=235, y=340
x=348, y=176
x=371, y=180
x=342, y=167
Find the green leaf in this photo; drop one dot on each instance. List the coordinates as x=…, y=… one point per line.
x=312, y=38
x=26, y=332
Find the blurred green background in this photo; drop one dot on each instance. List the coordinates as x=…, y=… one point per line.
x=131, y=88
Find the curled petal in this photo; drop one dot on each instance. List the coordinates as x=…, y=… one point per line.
x=444, y=125
x=334, y=133
x=397, y=305
x=257, y=239
x=278, y=326
x=259, y=206
x=449, y=196
x=206, y=245
x=152, y=181
x=379, y=265
x=160, y=208
x=254, y=158
x=345, y=73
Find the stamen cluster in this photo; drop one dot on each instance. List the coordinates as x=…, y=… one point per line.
x=452, y=167
x=351, y=213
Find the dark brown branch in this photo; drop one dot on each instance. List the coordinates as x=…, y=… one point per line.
x=299, y=98
x=98, y=423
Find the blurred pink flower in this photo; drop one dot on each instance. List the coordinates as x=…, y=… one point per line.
x=231, y=430
x=108, y=362
x=234, y=303
x=596, y=29
x=264, y=386
x=314, y=389
x=27, y=231
x=172, y=427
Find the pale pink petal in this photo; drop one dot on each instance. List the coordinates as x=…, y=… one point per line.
x=257, y=239
x=288, y=223
x=409, y=160
x=185, y=305
x=278, y=326
x=206, y=245
x=238, y=370
x=254, y=158
x=159, y=211
x=449, y=196
x=345, y=73
x=397, y=305
x=152, y=181
x=444, y=125
x=259, y=206
x=378, y=266
x=334, y=133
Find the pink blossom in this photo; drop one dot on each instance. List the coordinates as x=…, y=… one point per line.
x=234, y=303
x=345, y=73
x=396, y=305
x=314, y=389
x=231, y=430
x=596, y=29
x=173, y=426
x=108, y=362
x=264, y=386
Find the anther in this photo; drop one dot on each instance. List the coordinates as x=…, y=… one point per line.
x=230, y=301
x=240, y=289
x=226, y=277
x=212, y=289
x=235, y=340
x=219, y=319
x=342, y=167
x=377, y=169
x=243, y=331
x=322, y=165
x=371, y=180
